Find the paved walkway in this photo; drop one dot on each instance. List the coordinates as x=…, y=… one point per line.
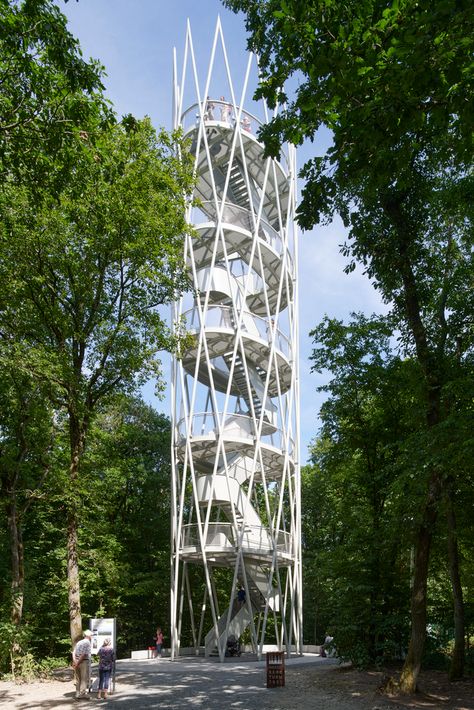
x=178, y=685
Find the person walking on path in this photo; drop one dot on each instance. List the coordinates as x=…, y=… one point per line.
x=158, y=642
x=106, y=664
x=81, y=657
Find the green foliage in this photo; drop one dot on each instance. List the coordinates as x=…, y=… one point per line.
x=17, y=662
x=387, y=80
x=394, y=83
x=107, y=253
x=92, y=225
x=14, y=659
x=47, y=91
x=47, y=666
x=124, y=536
x=127, y=472
x=361, y=496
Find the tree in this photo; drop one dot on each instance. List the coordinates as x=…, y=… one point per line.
x=363, y=495
x=394, y=84
x=46, y=90
x=107, y=252
x=47, y=94
x=26, y=442
x=123, y=537
x=126, y=542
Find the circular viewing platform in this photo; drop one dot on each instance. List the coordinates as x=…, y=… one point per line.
x=221, y=540
x=231, y=147
x=201, y=433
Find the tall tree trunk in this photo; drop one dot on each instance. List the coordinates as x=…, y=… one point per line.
x=456, y=670
x=74, y=593
x=412, y=665
x=17, y=561
x=428, y=358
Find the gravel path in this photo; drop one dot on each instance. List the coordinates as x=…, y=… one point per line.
x=191, y=683
x=312, y=683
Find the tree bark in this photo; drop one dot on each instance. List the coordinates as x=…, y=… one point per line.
x=74, y=596
x=411, y=668
x=392, y=204
x=456, y=670
x=393, y=208
x=76, y=436
x=17, y=562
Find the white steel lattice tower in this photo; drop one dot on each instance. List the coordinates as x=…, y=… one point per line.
x=236, y=480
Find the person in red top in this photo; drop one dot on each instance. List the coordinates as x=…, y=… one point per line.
x=158, y=641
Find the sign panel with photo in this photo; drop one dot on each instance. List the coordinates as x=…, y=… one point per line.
x=102, y=629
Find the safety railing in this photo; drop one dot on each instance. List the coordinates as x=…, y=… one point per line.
x=240, y=426
x=241, y=217
x=221, y=111
x=217, y=316
x=225, y=535
x=217, y=534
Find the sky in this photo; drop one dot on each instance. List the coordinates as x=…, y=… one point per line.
x=134, y=40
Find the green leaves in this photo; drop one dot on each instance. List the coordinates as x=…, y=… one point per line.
x=370, y=465
x=125, y=535
x=107, y=252
x=46, y=90
x=92, y=225
x=393, y=81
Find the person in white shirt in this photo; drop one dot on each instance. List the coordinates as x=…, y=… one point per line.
x=226, y=110
x=81, y=663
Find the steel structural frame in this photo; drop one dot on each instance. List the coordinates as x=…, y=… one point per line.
x=236, y=488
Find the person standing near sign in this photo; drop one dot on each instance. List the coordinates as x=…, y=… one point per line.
x=106, y=664
x=81, y=663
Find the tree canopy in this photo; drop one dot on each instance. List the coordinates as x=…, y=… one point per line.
x=47, y=90
x=92, y=227
x=363, y=494
x=393, y=82
x=91, y=234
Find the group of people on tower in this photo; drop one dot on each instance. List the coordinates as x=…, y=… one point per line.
x=225, y=113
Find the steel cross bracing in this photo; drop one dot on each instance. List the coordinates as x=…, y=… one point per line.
x=236, y=481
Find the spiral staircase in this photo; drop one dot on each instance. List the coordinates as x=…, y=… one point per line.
x=236, y=485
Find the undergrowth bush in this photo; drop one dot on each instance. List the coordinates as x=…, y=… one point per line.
x=17, y=663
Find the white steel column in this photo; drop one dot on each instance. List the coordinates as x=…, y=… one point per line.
x=236, y=477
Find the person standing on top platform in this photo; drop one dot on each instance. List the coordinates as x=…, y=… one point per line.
x=225, y=110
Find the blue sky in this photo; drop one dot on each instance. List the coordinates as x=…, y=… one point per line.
x=134, y=40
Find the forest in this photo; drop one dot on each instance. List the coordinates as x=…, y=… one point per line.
x=91, y=233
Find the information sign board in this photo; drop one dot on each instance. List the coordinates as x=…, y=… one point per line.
x=102, y=629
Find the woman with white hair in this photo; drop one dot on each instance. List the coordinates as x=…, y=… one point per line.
x=106, y=664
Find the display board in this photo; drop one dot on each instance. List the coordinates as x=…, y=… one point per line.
x=102, y=629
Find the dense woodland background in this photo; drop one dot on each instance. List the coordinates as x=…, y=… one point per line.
x=91, y=220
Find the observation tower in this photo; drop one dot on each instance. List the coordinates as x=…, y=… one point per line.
x=236, y=519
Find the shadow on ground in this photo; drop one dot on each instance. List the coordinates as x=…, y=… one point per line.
x=174, y=685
